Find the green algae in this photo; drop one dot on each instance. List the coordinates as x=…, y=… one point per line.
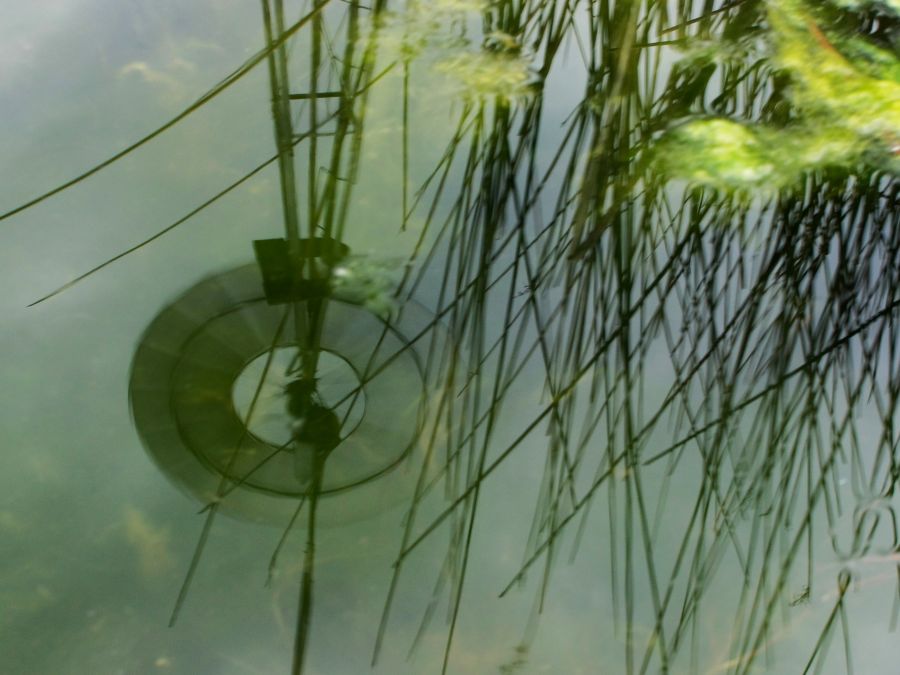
x=893, y=5
x=828, y=84
x=488, y=75
x=437, y=36
x=846, y=113
x=727, y=155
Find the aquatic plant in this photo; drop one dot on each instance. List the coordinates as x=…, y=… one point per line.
x=843, y=115
x=754, y=159
x=487, y=74
x=891, y=4
x=622, y=334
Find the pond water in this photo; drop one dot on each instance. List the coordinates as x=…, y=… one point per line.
x=454, y=336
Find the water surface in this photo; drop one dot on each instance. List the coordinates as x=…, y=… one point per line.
x=621, y=295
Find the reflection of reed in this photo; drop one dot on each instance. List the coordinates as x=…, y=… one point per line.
x=777, y=317
x=680, y=334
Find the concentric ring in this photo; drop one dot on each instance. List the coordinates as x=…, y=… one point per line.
x=183, y=390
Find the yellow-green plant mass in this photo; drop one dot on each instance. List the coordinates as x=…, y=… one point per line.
x=496, y=70
x=487, y=74
x=847, y=114
x=892, y=4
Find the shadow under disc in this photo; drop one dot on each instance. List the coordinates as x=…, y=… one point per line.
x=200, y=364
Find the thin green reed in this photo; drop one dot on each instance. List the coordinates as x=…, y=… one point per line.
x=570, y=248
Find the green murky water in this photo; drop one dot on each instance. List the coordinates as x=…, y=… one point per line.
x=453, y=336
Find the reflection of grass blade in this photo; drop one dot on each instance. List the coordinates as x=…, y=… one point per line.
x=245, y=68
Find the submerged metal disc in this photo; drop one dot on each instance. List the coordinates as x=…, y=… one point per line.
x=200, y=362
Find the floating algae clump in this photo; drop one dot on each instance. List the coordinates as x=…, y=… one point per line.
x=485, y=74
x=831, y=86
x=732, y=156
x=444, y=35
x=891, y=4
x=847, y=113
x=715, y=152
x=367, y=282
